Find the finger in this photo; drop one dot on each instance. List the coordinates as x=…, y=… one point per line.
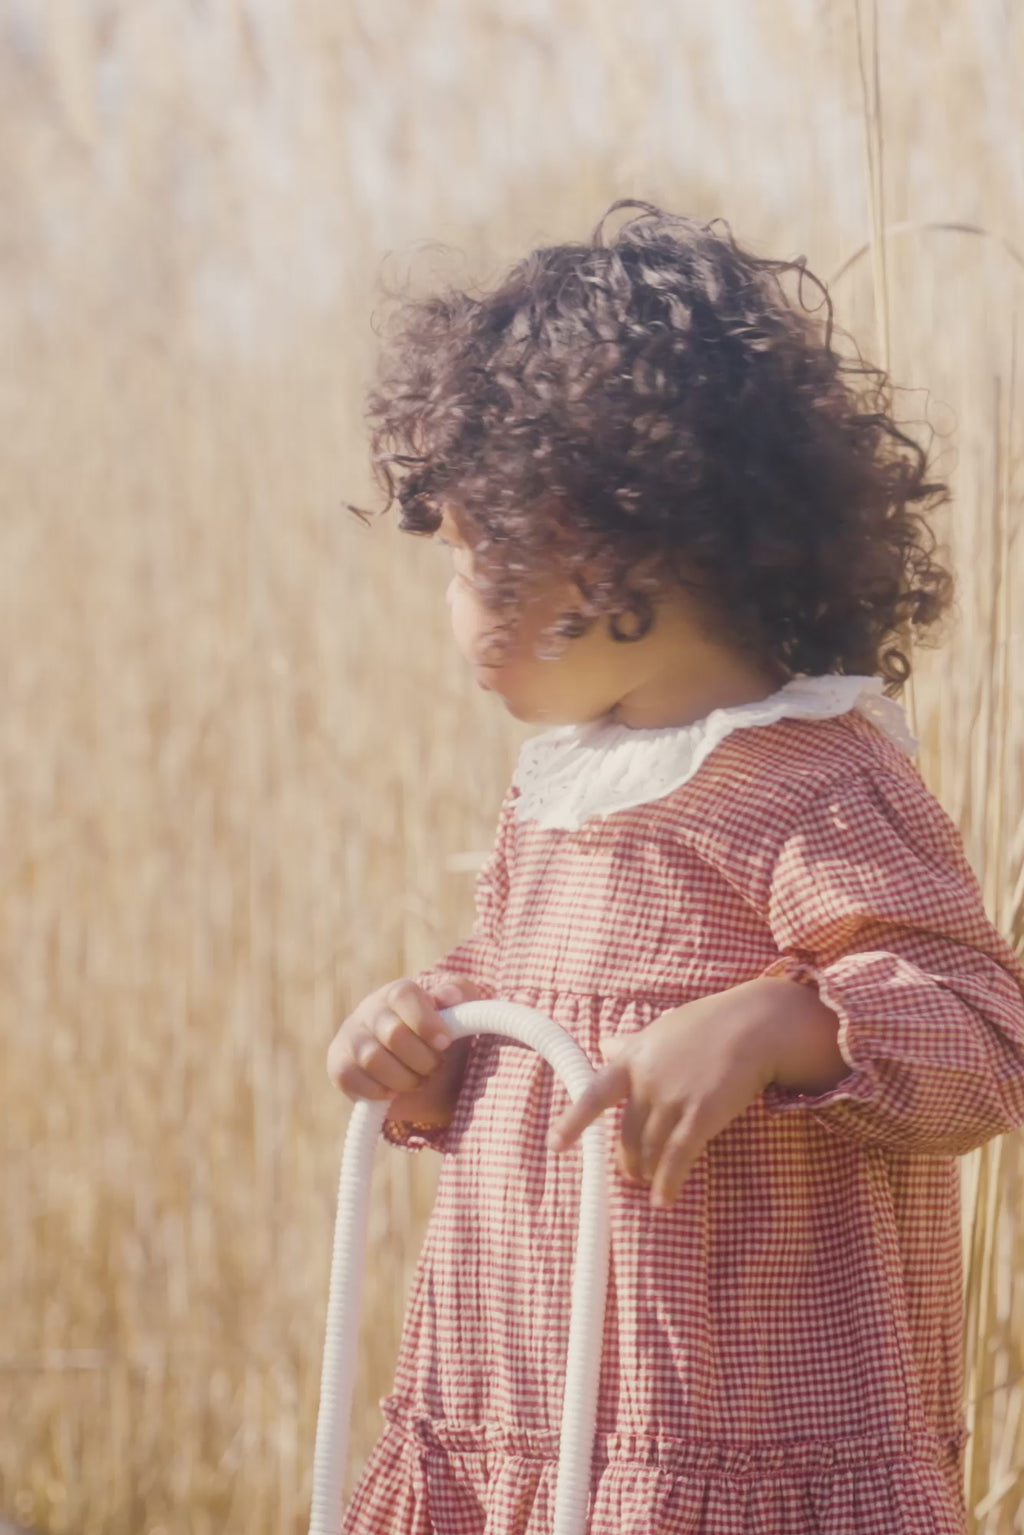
x=420, y=1015
x=454, y=992
x=344, y=1072
x=610, y=1086
x=355, y=1084
x=450, y=995
x=403, y=1044
x=631, y=1132
x=659, y=1126
x=681, y=1151
x=381, y=1065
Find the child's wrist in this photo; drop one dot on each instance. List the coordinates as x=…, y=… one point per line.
x=807, y=1055
x=801, y=1036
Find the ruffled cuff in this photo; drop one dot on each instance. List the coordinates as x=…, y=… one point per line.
x=857, y=1086
x=411, y=1137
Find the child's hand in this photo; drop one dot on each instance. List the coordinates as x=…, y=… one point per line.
x=396, y=1045
x=695, y=1069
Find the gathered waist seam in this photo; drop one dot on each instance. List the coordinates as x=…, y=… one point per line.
x=677, y=1456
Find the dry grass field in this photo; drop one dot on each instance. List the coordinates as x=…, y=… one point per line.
x=238, y=759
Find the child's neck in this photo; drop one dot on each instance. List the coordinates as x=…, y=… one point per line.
x=712, y=677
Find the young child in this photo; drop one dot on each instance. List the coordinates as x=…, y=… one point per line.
x=687, y=537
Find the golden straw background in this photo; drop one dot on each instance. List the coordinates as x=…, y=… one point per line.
x=240, y=768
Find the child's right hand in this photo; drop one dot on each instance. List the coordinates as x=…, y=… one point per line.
x=396, y=1045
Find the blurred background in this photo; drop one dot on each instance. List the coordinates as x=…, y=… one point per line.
x=243, y=779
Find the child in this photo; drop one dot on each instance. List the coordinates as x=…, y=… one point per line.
x=688, y=538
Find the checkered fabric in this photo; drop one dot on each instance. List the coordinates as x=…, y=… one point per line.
x=782, y=1350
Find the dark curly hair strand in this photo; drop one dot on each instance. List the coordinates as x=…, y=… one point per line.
x=654, y=407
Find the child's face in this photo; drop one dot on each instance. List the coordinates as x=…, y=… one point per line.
x=586, y=682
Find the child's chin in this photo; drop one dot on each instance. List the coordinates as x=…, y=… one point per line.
x=519, y=710
x=526, y=715
x=531, y=713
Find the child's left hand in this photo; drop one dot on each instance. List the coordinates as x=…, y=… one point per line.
x=689, y=1074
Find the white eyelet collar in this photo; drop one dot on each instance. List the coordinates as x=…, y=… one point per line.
x=575, y=772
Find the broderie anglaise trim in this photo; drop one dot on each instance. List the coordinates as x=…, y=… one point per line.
x=575, y=772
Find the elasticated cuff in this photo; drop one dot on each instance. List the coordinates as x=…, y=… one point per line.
x=857, y=1086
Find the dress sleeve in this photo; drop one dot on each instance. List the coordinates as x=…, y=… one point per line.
x=872, y=902
x=474, y=959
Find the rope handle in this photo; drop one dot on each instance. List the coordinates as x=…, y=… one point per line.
x=589, y=1278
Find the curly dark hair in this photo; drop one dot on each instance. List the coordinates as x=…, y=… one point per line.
x=656, y=406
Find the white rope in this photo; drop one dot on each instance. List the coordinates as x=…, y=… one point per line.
x=589, y=1280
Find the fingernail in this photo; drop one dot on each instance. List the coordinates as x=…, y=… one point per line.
x=442, y=1041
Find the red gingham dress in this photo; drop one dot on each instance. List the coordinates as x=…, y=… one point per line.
x=782, y=1351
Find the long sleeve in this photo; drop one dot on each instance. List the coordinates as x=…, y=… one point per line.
x=474, y=959
x=872, y=901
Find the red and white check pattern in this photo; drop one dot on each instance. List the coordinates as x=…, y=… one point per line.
x=782, y=1349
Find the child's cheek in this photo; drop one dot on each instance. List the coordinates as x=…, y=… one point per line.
x=467, y=620
x=461, y=616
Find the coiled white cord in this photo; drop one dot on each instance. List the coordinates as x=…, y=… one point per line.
x=589, y=1280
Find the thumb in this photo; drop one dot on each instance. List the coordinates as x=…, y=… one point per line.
x=614, y=1045
x=609, y=1086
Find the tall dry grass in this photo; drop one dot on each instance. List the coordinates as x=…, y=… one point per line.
x=237, y=756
